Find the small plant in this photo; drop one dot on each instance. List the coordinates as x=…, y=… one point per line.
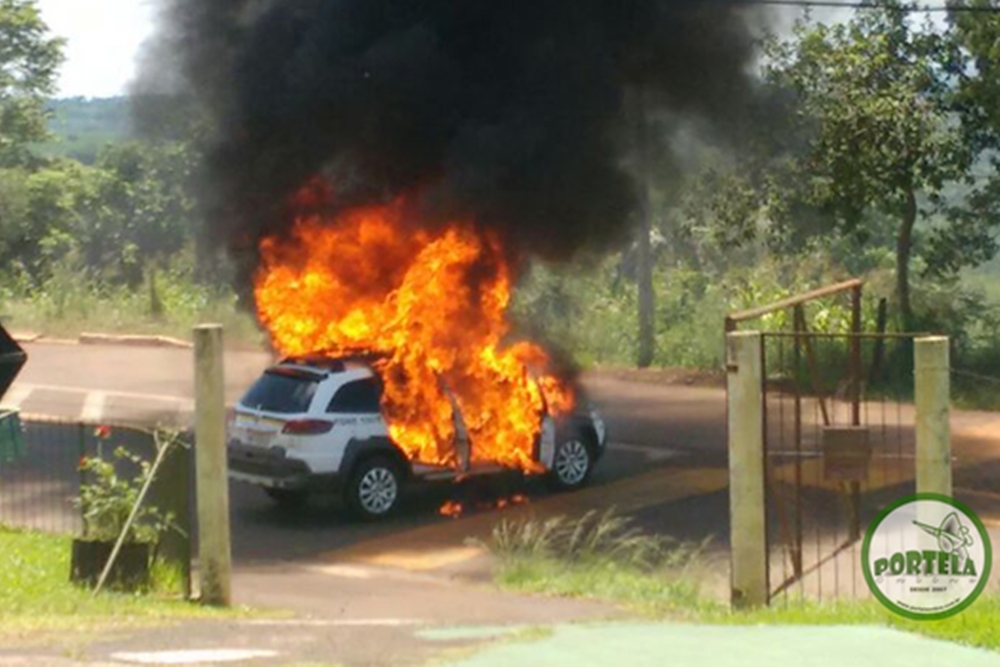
x=107, y=501
x=120, y=530
x=599, y=555
x=595, y=537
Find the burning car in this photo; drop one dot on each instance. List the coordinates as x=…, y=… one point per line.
x=315, y=423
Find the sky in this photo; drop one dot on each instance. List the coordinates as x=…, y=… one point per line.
x=103, y=41
x=104, y=37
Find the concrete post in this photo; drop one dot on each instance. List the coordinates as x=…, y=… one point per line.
x=748, y=531
x=215, y=560
x=932, y=391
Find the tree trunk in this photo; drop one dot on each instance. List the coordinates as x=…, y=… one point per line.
x=904, y=248
x=644, y=268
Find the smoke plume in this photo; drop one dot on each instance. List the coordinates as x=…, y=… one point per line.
x=511, y=113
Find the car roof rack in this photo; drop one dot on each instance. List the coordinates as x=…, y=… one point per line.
x=333, y=362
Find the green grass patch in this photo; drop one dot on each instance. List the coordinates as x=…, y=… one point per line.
x=533, y=557
x=976, y=626
x=36, y=594
x=122, y=311
x=657, y=592
x=73, y=300
x=598, y=555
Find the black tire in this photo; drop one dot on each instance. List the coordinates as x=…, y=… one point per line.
x=572, y=464
x=288, y=499
x=373, y=489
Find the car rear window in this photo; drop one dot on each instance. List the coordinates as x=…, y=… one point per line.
x=282, y=390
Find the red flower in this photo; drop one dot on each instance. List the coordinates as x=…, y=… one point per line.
x=103, y=432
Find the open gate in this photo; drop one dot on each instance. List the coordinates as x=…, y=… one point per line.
x=838, y=438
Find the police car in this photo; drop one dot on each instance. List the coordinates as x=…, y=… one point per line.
x=314, y=423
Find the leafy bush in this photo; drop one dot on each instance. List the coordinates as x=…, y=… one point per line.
x=108, y=500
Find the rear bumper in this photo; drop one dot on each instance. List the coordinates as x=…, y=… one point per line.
x=272, y=469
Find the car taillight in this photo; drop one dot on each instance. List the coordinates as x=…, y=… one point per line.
x=307, y=427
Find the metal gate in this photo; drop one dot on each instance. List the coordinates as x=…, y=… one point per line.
x=839, y=444
x=838, y=438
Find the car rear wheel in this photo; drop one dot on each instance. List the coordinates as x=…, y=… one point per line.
x=373, y=489
x=572, y=464
x=288, y=499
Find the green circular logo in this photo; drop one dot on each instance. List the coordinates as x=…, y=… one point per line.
x=926, y=556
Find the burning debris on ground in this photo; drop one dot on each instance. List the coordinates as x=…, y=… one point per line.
x=454, y=509
x=383, y=170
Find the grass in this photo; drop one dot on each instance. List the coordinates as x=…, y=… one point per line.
x=36, y=594
x=600, y=555
x=532, y=557
x=652, y=593
x=976, y=626
x=126, y=312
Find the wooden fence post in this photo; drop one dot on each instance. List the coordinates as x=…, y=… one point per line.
x=215, y=559
x=748, y=530
x=932, y=396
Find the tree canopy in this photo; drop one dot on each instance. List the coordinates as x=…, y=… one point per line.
x=29, y=60
x=873, y=130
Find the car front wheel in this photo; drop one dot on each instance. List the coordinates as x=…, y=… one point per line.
x=572, y=464
x=373, y=489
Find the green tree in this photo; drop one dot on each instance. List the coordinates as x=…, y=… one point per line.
x=139, y=210
x=29, y=59
x=978, y=33
x=115, y=218
x=874, y=133
x=40, y=215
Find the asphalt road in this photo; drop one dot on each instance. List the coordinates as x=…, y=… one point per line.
x=665, y=466
x=146, y=384
x=651, y=427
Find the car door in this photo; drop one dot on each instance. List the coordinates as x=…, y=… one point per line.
x=356, y=407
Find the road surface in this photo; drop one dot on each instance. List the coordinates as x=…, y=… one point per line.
x=653, y=428
x=666, y=466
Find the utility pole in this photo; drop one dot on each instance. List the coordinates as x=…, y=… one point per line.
x=215, y=559
x=644, y=253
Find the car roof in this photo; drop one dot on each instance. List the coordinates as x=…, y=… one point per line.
x=323, y=366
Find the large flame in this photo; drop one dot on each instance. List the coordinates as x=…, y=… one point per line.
x=431, y=309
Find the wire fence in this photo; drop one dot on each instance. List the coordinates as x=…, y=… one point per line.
x=972, y=375
x=41, y=474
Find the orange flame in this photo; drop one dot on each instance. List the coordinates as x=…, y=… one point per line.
x=451, y=509
x=454, y=510
x=432, y=306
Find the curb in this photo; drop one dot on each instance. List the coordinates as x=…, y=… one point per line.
x=133, y=340
x=130, y=340
x=25, y=336
x=39, y=338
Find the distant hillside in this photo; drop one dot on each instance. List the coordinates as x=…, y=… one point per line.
x=82, y=126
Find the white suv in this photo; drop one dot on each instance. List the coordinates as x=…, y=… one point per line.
x=314, y=423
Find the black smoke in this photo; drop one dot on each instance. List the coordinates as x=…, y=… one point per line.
x=513, y=113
